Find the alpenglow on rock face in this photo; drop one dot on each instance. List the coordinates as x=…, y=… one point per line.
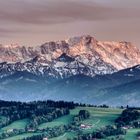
x=77, y=55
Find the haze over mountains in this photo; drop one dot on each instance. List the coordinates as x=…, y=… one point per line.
x=79, y=69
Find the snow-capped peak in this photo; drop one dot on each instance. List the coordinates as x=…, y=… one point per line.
x=76, y=55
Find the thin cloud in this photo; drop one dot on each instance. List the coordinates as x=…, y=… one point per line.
x=51, y=11
x=52, y=19
x=59, y=11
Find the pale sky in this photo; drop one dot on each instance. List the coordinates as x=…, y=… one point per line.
x=33, y=22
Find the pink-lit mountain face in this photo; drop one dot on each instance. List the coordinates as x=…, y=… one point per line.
x=77, y=55
x=87, y=49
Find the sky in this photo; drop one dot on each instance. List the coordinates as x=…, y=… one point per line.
x=33, y=22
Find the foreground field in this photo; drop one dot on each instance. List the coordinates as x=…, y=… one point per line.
x=16, y=125
x=131, y=134
x=99, y=118
x=57, y=122
x=19, y=137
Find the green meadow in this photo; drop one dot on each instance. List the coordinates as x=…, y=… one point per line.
x=99, y=117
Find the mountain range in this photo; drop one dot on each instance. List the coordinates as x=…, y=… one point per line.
x=79, y=69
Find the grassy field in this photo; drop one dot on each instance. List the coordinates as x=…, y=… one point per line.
x=19, y=137
x=99, y=117
x=131, y=134
x=16, y=125
x=65, y=136
x=57, y=122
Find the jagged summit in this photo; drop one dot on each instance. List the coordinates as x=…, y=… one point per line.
x=76, y=55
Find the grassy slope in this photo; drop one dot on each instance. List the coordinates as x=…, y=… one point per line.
x=65, y=136
x=20, y=124
x=131, y=134
x=57, y=122
x=99, y=117
x=18, y=137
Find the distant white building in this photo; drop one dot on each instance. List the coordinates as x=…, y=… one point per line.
x=85, y=126
x=31, y=130
x=45, y=138
x=125, y=128
x=10, y=130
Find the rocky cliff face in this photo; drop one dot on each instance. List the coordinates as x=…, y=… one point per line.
x=77, y=55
